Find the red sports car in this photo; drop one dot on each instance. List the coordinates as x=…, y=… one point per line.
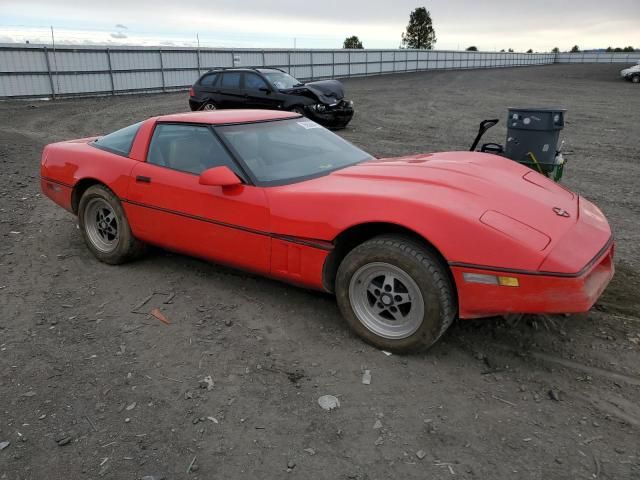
x=406, y=244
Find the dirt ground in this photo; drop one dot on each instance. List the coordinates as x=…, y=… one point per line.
x=91, y=389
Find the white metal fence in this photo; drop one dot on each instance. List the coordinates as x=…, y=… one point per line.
x=599, y=57
x=41, y=71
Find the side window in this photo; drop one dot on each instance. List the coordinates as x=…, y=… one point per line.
x=187, y=148
x=253, y=82
x=209, y=80
x=119, y=141
x=231, y=79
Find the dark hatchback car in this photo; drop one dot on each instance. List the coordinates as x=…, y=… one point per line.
x=272, y=89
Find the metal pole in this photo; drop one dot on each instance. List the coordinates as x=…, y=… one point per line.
x=46, y=56
x=289, y=60
x=113, y=88
x=333, y=63
x=264, y=64
x=349, y=60
x=55, y=60
x=164, y=88
x=198, y=61
x=380, y=61
x=311, y=54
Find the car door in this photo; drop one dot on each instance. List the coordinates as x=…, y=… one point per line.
x=259, y=93
x=231, y=93
x=208, y=88
x=168, y=207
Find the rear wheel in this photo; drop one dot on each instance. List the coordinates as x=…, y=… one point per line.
x=209, y=106
x=635, y=79
x=395, y=294
x=105, y=227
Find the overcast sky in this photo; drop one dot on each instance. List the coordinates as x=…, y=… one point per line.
x=489, y=25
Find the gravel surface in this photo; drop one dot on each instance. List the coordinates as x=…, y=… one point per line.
x=90, y=388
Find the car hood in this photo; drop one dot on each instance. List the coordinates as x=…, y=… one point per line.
x=635, y=68
x=325, y=91
x=491, y=188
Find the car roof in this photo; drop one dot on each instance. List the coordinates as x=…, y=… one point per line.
x=221, y=117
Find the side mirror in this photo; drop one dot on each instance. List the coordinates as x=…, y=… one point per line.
x=265, y=89
x=219, y=177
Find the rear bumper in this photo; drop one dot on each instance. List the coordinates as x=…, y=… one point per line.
x=59, y=192
x=537, y=292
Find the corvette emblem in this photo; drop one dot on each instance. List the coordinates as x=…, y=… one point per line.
x=561, y=212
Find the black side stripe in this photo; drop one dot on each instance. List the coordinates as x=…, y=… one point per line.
x=584, y=270
x=319, y=244
x=47, y=179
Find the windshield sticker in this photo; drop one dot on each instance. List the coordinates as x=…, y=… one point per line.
x=309, y=125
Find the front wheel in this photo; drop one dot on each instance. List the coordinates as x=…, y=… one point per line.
x=635, y=79
x=299, y=110
x=105, y=227
x=395, y=294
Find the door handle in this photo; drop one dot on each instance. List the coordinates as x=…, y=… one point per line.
x=143, y=179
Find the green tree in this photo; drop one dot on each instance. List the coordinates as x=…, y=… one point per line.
x=628, y=49
x=352, y=42
x=473, y=48
x=529, y=51
x=609, y=49
x=618, y=50
x=555, y=50
x=575, y=49
x=510, y=50
x=420, y=33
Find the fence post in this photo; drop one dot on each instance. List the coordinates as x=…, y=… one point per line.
x=164, y=88
x=198, y=61
x=349, y=60
x=289, y=61
x=311, y=54
x=333, y=63
x=264, y=64
x=380, y=62
x=53, y=90
x=113, y=86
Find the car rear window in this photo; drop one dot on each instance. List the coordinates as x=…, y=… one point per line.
x=119, y=141
x=209, y=80
x=231, y=79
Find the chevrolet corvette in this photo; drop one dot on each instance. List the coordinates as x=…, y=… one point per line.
x=406, y=244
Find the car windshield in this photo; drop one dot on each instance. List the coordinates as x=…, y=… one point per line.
x=282, y=80
x=286, y=151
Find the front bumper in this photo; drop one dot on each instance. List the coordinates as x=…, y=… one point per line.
x=537, y=292
x=337, y=116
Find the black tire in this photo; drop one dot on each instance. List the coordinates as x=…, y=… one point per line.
x=635, y=79
x=423, y=267
x=209, y=106
x=125, y=246
x=299, y=110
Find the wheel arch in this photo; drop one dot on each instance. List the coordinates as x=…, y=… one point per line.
x=355, y=235
x=79, y=188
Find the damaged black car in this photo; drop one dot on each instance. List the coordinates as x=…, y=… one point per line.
x=272, y=89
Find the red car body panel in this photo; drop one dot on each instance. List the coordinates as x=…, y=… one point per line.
x=483, y=213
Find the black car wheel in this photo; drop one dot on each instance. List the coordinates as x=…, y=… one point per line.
x=105, y=228
x=209, y=106
x=299, y=110
x=395, y=294
x=635, y=79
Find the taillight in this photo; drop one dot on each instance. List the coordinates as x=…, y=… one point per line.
x=191, y=92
